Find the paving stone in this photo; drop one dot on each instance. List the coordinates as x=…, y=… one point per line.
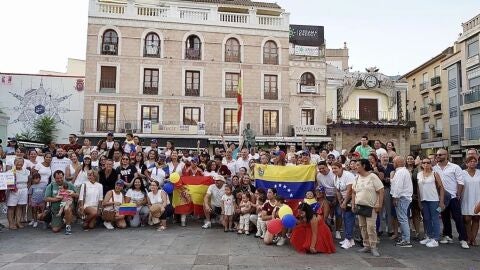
x=6, y=258
x=38, y=258
x=384, y=262
x=20, y=266
x=211, y=260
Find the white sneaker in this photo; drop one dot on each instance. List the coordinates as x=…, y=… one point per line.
x=352, y=242
x=207, y=225
x=346, y=245
x=108, y=225
x=281, y=241
x=338, y=235
x=446, y=240
x=31, y=223
x=425, y=241
x=342, y=242
x=432, y=243
x=35, y=224
x=464, y=244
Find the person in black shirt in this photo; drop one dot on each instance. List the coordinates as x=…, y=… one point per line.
x=126, y=171
x=108, y=177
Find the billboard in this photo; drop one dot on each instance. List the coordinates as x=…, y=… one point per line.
x=307, y=35
x=27, y=97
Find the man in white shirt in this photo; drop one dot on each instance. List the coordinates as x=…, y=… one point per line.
x=453, y=182
x=212, y=203
x=331, y=150
x=326, y=179
x=378, y=148
x=153, y=146
x=109, y=140
x=60, y=161
x=314, y=157
x=242, y=161
x=402, y=190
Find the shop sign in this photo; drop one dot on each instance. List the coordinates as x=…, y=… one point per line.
x=311, y=130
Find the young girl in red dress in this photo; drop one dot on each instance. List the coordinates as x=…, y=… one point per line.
x=311, y=233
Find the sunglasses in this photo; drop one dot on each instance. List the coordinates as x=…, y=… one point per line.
x=125, y=159
x=440, y=155
x=426, y=162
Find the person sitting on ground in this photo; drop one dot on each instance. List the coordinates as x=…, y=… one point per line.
x=138, y=195
x=90, y=200
x=159, y=206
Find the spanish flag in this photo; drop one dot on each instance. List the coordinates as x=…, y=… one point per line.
x=240, y=99
x=189, y=193
x=291, y=182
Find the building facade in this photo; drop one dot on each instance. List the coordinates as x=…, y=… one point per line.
x=172, y=70
x=428, y=99
x=367, y=103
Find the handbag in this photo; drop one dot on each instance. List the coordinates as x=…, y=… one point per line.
x=363, y=210
x=109, y=215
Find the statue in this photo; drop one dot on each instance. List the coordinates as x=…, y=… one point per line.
x=249, y=137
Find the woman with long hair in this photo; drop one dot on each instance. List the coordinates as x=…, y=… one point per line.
x=415, y=205
x=138, y=195
x=391, y=151
x=116, y=147
x=72, y=170
x=102, y=148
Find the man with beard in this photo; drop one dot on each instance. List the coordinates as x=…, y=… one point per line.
x=60, y=161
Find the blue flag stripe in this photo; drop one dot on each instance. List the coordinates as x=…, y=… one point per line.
x=287, y=190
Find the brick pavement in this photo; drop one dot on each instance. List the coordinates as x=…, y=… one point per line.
x=195, y=248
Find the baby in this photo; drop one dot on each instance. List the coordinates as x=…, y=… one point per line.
x=245, y=206
x=310, y=200
x=261, y=224
x=67, y=199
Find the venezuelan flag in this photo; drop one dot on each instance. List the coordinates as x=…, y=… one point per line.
x=127, y=209
x=291, y=182
x=189, y=193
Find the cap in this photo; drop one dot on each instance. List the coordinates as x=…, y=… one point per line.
x=87, y=156
x=110, y=134
x=120, y=183
x=219, y=178
x=194, y=160
x=12, y=139
x=94, y=150
x=154, y=141
x=321, y=189
x=162, y=156
x=279, y=153
x=356, y=154
x=305, y=153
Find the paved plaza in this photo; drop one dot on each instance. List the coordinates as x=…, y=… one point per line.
x=195, y=248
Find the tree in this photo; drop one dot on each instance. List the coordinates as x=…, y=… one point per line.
x=44, y=129
x=25, y=135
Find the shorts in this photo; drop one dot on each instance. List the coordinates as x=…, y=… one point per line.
x=216, y=211
x=17, y=198
x=37, y=203
x=57, y=222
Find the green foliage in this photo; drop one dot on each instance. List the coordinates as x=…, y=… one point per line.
x=25, y=135
x=44, y=129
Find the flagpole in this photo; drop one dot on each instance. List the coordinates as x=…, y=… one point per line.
x=240, y=107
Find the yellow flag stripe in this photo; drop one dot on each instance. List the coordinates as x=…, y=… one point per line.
x=301, y=173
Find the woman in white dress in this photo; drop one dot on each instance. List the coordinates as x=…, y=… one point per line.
x=471, y=195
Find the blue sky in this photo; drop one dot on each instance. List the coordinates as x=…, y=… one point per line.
x=395, y=36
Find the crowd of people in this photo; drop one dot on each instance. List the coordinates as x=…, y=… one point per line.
x=371, y=190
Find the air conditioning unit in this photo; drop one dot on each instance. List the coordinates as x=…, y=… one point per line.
x=128, y=125
x=108, y=48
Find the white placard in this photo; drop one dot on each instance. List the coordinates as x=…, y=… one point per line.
x=311, y=130
x=201, y=128
x=308, y=88
x=6, y=179
x=307, y=50
x=147, y=126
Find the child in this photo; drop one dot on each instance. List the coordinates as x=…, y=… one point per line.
x=261, y=224
x=227, y=208
x=36, y=193
x=310, y=200
x=67, y=199
x=129, y=146
x=245, y=207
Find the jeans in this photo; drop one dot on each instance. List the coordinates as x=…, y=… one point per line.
x=402, y=215
x=142, y=215
x=386, y=216
x=348, y=224
x=431, y=219
x=454, y=210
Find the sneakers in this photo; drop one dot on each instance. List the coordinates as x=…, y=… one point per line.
x=35, y=224
x=344, y=240
x=258, y=233
x=425, y=241
x=338, y=235
x=364, y=250
x=31, y=223
x=352, y=242
x=108, y=225
x=207, y=225
x=346, y=245
x=446, y=240
x=464, y=244
x=281, y=241
x=432, y=243
x=404, y=244
x=375, y=252
x=68, y=230
x=247, y=232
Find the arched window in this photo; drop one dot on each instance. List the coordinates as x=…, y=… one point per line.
x=307, y=83
x=232, y=50
x=110, y=42
x=270, y=53
x=193, y=48
x=152, y=45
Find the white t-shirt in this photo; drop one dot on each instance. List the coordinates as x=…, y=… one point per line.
x=81, y=178
x=21, y=178
x=109, y=144
x=158, y=174
x=93, y=196
x=116, y=164
x=328, y=182
x=178, y=169
x=216, y=195
x=45, y=173
x=135, y=196
x=60, y=164
x=342, y=182
x=241, y=163
x=156, y=198
x=314, y=158
x=230, y=165
x=95, y=164
x=228, y=201
x=256, y=156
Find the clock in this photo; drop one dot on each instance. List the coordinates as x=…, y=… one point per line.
x=370, y=81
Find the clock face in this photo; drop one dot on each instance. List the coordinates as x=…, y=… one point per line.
x=370, y=81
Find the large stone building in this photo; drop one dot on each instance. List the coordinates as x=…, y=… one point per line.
x=428, y=99
x=171, y=70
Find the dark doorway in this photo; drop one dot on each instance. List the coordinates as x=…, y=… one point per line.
x=368, y=109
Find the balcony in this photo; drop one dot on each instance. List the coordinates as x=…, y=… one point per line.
x=425, y=136
x=435, y=82
x=201, y=13
x=92, y=126
x=270, y=95
x=424, y=111
x=193, y=54
x=472, y=96
x=472, y=133
x=107, y=86
x=150, y=90
x=377, y=118
x=191, y=92
x=231, y=94
x=436, y=108
x=411, y=119
x=423, y=87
